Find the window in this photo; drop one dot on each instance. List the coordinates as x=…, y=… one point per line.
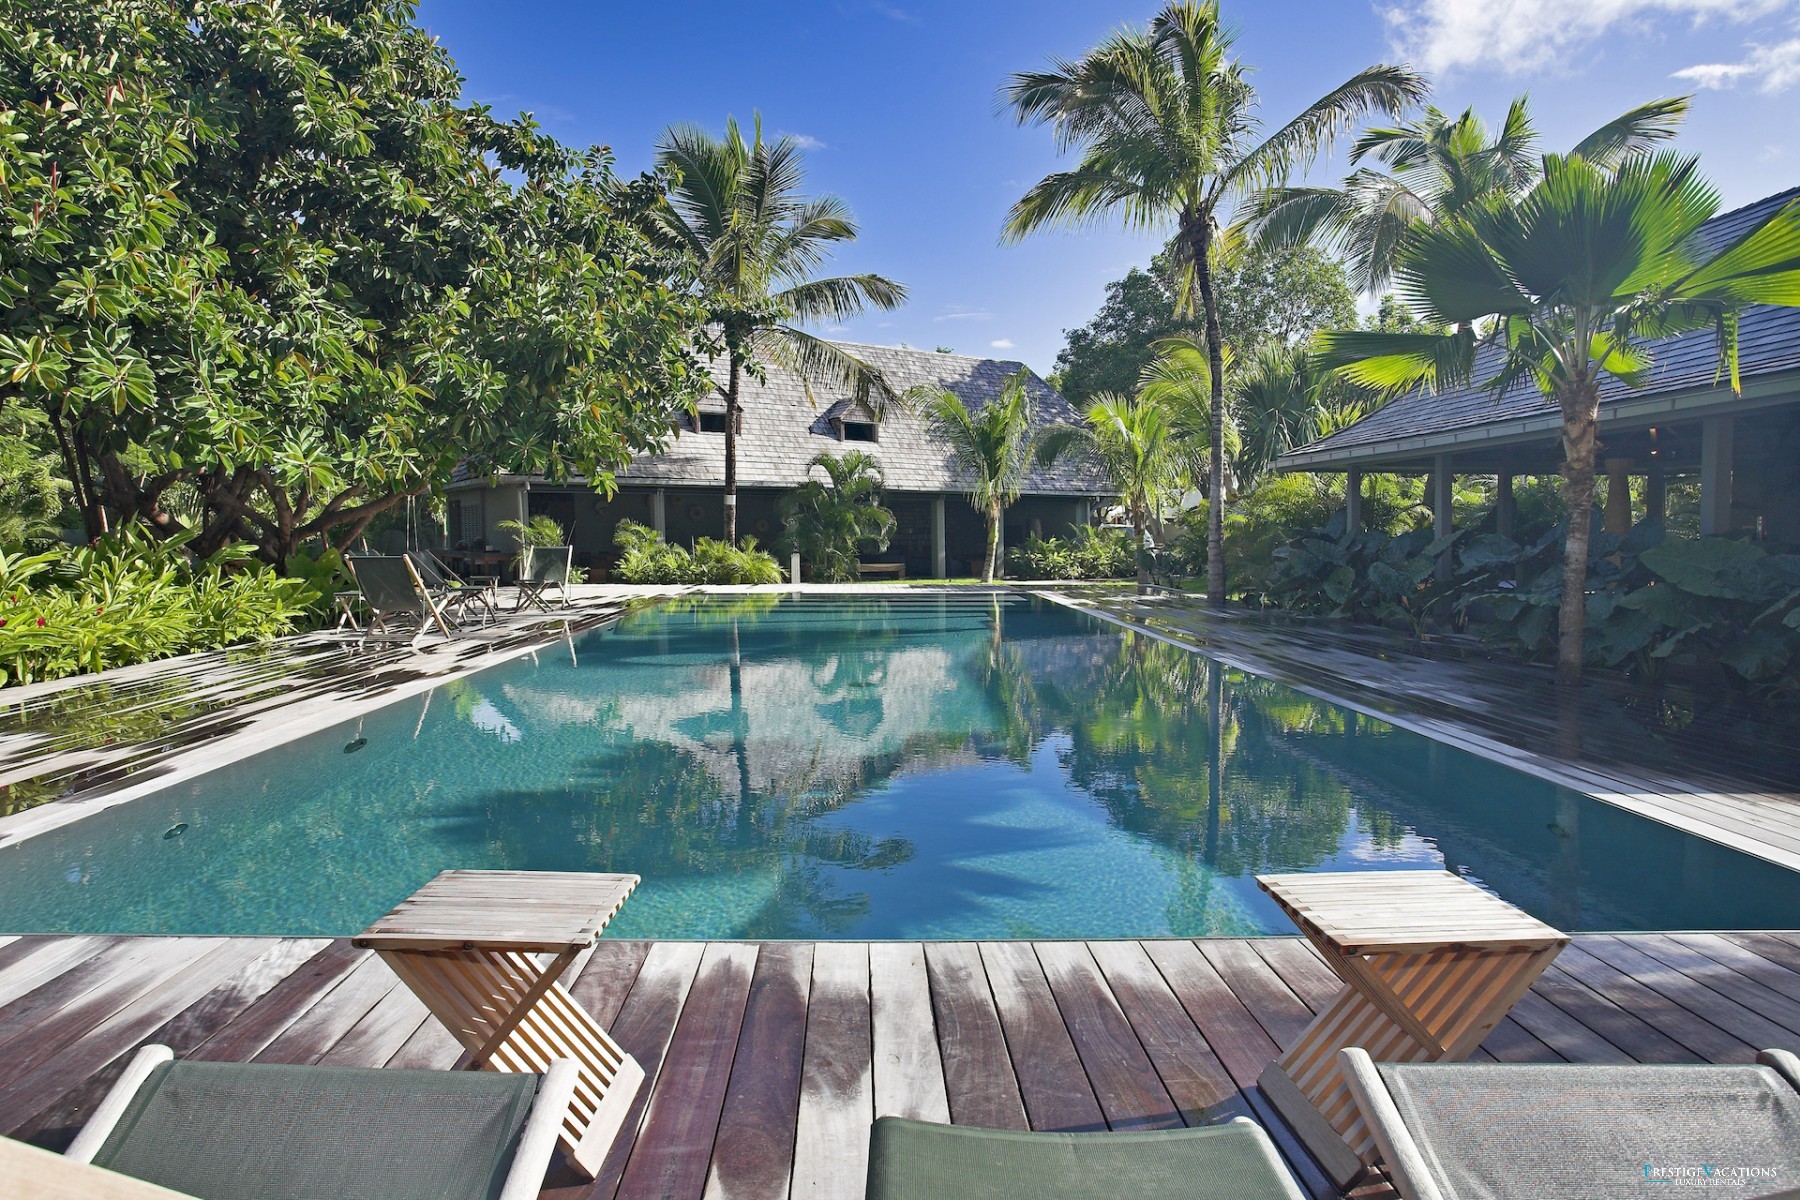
x=712, y=422
x=861, y=431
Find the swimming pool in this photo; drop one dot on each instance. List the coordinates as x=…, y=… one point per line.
x=849, y=767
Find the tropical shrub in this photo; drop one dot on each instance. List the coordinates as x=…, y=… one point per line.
x=130, y=600
x=828, y=522
x=1089, y=554
x=647, y=558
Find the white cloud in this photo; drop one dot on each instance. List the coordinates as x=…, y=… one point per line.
x=1772, y=67
x=806, y=141
x=1530, y=35
x=965, y=314
x=1771, y=153
x=1002, y=343
x=893, y=13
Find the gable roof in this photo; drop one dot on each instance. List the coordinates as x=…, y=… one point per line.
x=784, y=428
x=1768, y=345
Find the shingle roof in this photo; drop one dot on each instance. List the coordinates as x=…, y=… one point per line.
x=784, y=428
x=1769, y=342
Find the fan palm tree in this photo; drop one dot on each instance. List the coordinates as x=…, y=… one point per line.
x=992, y=447
x=1573, y=275
x=1164, y=120
x=828, y=521
x=1131, y=439
x=736, y=208
x=1438, y=165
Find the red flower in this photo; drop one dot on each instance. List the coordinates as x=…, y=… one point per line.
x=40, y=622
x=2, y=624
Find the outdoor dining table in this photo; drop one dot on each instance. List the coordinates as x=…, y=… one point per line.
x=1430, y=964
x=485, y=951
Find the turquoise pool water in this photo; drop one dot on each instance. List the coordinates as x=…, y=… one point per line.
x=955, y=767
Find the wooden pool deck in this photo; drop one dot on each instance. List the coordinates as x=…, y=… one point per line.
x=1698, y=760
x=767, y=1061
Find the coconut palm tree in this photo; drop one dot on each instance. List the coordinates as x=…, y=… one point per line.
x=736, y=208
x=1131, y=439
x=1437, y=165
x=1165, y=122
x=1572, y=277
x=992, y=447
x=827, y=522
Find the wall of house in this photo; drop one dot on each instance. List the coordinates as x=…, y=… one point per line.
x=1765, y=491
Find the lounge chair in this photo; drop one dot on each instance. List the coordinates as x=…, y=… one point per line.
x=395, y=596
x=231, y=1131
x=919, y=1160
x=458, y=597
x=1486, y=1131
x=546, y=568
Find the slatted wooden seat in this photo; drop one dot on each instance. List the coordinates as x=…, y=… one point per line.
x=1430, y=964
x=484, y=950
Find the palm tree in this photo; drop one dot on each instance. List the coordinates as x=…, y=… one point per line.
x=992, y=447
x=1131, y=438
x=736, y=209
x=828, y=521
x=1165, y=123
x=1572, y=275
x=1438, y=165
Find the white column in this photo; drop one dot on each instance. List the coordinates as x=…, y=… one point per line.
x=939, y=562
x=1506, y=509
x=1353, y=519
x=1715, y=475
x=659, y=511
x=1618, y=496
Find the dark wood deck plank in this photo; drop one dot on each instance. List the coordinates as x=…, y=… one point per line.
x=837, y=1086
x=1772, y=975
x=1736, y=1019
x=1776, y=949
x=909, y=1067
x=1196, y=1080
x=265, y=963
x=1052, y=1082
x=645, y=1023
x=674, y=1146
x=980, y=1084
x=753, y=1157
x=41, y=959
x=382, y=1033
x=1758, y=985
x=335, y=1014
x=245, y=1035
x=1694, y=1033
x=1619, y=1026
x=1274, y=1005
x=1563, y=1033
x=1131, y=1093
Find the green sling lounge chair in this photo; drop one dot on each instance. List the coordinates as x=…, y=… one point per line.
x=919, y=1160
x=1565, y=1131
x=395, y=596
x=235, y=1131
x=545, y=568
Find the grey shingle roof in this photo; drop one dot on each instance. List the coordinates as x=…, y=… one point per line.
x=1769, y=342
x=784, y=429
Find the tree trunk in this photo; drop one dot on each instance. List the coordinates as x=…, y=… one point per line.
x=990, y=561
x=1580, y=403
x=1200, y=236
x=731, y=420
x=1137, y=551
x=84, y=496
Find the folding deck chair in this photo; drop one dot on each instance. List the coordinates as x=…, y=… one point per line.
x=394, y=594
x=546, y=568
x=1569, y=1131
x=456, y=595
x=236, y=1131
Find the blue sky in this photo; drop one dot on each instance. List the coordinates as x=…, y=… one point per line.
x=895, y=100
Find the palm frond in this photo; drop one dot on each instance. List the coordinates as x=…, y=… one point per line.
x=1293, y=147
x=1390, y=363
x=841, y=297
x=1636, y=131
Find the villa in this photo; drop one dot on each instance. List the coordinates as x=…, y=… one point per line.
x=786, y=424
x=1684, y=423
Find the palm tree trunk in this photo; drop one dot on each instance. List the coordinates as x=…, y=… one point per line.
x=1200, y=235
x=991, y=560
x=1137, y=550
x=731, y=423
x=1580, y=404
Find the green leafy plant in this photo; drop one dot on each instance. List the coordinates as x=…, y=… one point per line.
x=1088, y=554
x=646, y=558
x=829, y=521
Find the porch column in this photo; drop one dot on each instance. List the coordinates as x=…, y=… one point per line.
x=1618, y=495
x=659, y=511
x=939, y=564
x=1715, y=475
x=1656, y=494
x=1442, y=508
x=1506, y=508
x=1353, y=521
